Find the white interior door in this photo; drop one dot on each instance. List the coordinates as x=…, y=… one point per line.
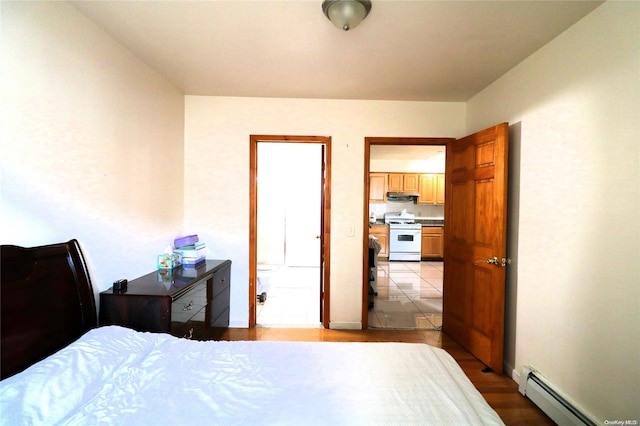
x=271, y=204
x=289, y=200
x=302, y=222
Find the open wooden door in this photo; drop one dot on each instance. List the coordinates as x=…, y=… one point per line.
x=475, y=255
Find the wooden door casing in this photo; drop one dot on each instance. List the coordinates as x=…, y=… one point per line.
x=325, y=219
x=368, y=142
x=475, y=230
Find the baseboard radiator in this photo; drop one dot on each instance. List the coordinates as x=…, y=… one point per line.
x=533, y=386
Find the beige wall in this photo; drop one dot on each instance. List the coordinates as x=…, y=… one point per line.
x=91, y=143
x=574, y=109
x=217, y=133
x=92, y=148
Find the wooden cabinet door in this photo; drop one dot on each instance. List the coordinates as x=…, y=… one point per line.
x=427, y=189
x=411, y=182
x=381, y=232
x=439, y=188
x=404, y=182
x=395, y=182
x=431, y=242
x=377, y=187
x=431, y=188
x=384, y=242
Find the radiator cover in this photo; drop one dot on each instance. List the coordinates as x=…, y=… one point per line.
x=542, y=393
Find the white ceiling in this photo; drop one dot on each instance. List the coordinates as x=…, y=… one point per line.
x=404, y=50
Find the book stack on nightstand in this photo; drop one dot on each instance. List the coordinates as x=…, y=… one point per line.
x=192, y=251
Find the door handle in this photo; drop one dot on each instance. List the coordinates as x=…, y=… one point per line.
x=498, y=262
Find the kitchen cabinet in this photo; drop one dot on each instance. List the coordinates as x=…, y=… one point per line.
x=378, y=187
x=381, y=232
x=431, y=188
x=432, y=242
x=404, y=182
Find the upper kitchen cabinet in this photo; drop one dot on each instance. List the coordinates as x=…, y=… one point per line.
x=378, y=187
x=404, y=182
x=431, y=189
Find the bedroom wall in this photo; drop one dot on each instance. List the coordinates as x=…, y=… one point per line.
x=217, y=131
x=92, y=143
x=574, y=109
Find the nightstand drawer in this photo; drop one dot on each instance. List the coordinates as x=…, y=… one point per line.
x=189, y=303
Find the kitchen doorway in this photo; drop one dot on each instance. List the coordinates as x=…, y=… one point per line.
x=410, y=298
x=475, y=236
x=288, y=283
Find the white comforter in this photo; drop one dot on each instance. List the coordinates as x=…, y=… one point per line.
x=114, y=375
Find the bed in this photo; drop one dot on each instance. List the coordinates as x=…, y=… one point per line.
x=86, y=374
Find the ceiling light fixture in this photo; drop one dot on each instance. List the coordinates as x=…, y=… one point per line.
x=346, y=14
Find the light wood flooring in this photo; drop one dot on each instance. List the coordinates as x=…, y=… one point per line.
x=499, y=390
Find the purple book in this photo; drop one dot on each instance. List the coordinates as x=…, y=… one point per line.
x=185, y=241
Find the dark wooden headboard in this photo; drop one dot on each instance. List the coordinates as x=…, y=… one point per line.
x=47, y=302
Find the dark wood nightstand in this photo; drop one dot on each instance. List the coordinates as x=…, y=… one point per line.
x=186, y=302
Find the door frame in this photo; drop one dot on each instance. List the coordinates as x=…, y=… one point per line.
x=325, y=214
x=368, y=141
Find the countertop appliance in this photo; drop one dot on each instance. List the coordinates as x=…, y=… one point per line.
x=405, y=236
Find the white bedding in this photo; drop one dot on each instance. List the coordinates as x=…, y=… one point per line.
x=113, y=375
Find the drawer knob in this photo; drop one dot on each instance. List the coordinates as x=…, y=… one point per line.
x=188, y=306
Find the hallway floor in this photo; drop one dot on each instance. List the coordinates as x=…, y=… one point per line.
x=293, y=297
x=409, y=296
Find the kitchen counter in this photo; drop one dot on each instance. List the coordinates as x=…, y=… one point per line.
x=430, y=221
x=421, y=221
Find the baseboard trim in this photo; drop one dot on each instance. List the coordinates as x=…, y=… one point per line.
x=343, y=325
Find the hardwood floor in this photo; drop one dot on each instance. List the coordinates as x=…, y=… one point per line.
x=499, y=390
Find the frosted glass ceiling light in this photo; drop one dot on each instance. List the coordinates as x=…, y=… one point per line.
x=346, y=14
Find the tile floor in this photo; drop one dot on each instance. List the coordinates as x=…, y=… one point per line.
x=409, y=296
x=293, y=297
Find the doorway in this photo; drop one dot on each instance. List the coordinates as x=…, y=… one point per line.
x=475, y=236
x=289, y=205
x=415, y=298
x=289, y=222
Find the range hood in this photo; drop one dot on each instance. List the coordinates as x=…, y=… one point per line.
x=402, y=197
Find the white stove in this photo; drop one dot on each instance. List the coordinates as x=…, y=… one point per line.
x=405, y=236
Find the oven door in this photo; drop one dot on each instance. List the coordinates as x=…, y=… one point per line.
x=404, y=240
